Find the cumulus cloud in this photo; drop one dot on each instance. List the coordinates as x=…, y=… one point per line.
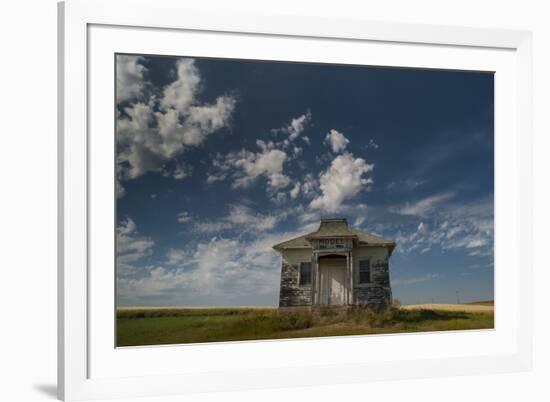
x=309, y=185
x=154, y=130
x=246, y=167
x=344, y=179
x=295, y=128
x=337, y=141
x=180, y=94
x=297, y=125
x=130, y=81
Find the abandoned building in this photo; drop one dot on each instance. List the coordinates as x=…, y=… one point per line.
x=337, y=265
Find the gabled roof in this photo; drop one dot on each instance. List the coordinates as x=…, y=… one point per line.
x=335, y=228
x=297, y=242
x=332, y=228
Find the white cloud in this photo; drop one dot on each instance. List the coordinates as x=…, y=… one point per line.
x=372, y=144
x=452, y=227
x=279, y=198
x=216, y=272
x=297, y=126
x=295, y=191
x=180, y=94
x=337, y=141
x=424, y=206
x=239, y=217
x=130, y=246
x=309, y=185
x=342, y=180
x=176, y=257
x=243, y=216
x=249, y=166
x=245, y=166
x=153, y=132
x=181, y=172
x=129, y=77
x=417, y=279
x=404, y=185
x=294, y=129
x=120, y=190
x=183, y=217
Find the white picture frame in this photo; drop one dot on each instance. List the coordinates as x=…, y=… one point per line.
x=90, y=367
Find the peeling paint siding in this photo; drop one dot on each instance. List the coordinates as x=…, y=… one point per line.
x=373, y=296
x=291, y=294
x=378, y=292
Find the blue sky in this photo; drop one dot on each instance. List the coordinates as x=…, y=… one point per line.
x=218, y=160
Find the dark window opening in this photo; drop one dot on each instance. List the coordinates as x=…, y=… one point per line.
x=305, y=273
x=364, y=271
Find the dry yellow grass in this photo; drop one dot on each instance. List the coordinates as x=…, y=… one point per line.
x=468, y=308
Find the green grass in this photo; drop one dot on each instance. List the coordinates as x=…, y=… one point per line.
x=173, y=326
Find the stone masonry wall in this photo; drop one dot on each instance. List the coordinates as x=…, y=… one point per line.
x=291, y=294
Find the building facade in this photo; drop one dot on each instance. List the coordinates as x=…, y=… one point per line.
x=337, y=265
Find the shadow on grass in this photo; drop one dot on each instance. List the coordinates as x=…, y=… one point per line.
x=429, y=315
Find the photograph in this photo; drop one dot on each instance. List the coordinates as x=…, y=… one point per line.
x=268, y=199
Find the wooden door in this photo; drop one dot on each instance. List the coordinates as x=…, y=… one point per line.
x=337, y=286
x=332, y=285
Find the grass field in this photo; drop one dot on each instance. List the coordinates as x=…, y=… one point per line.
x=158, y=326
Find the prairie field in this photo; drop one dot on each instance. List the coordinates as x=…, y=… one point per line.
x=173, y=325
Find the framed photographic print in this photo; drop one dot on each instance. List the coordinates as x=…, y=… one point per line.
x=239, y=196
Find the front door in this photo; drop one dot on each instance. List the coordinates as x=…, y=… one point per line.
x=332, y=285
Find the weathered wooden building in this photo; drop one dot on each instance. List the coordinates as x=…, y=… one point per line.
x=335, y=265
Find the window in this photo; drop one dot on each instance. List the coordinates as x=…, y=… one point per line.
x=305, y=273
x=364, y=271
